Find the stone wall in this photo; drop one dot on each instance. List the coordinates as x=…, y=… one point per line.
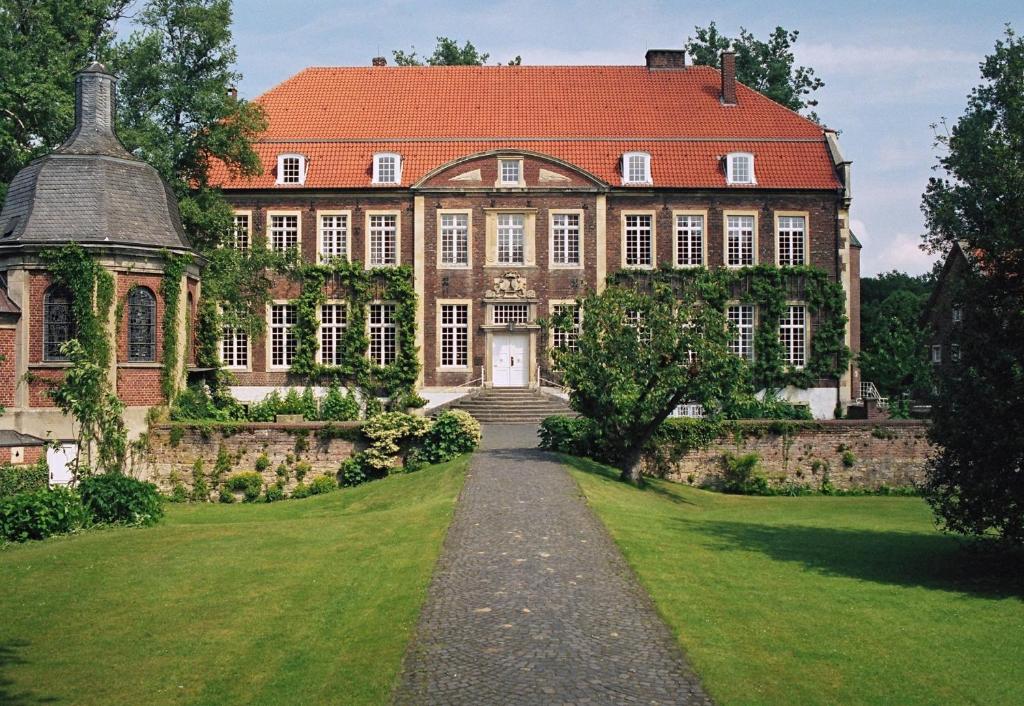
x=891, y=452
x=174, y=448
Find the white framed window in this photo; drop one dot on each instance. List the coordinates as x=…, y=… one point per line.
x=284, y=231
x=936, y=354
x=565, y=239
x=454, y=228
x=291, y=169
x=636, y=168
x=383, y=333
x=510, y=172
x=689, y=410
x=511, y=239
x=958, y=313
x=387, y=168
x=283, y=341
x=791, y=240
x=635, y=319
x=566, y=338
x=382, y=237
x=954, y=352
x=454, y=330
x=332, y=236
x=241, y=230
x=234, y=348
x=741, y=316
x=793, y=335
x=333, y=322
x=739, y=240
x=510, y=313
x=638, y=240
x=689, y=239
x=739, y=168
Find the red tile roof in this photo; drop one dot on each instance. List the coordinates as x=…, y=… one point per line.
x=585, y=115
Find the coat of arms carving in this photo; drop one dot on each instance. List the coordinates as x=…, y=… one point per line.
x=510, y=285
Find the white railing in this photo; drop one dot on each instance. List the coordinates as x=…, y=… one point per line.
x=868, y=391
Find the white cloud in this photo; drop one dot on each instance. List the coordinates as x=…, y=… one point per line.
x=899, y=251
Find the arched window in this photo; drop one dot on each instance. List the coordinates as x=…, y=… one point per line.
x=58, y=322
x=141, y=325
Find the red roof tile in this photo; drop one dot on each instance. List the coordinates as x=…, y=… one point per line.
x=585, y=115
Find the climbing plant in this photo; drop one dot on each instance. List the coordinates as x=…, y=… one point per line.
x=770, y=288
x=170, y=292
x=92, y=295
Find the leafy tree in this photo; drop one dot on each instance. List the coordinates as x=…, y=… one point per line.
x=42, y=44
x=447, y=53
x=767, y=66
x=893, y=340
x=976, y=483
x=641, y=354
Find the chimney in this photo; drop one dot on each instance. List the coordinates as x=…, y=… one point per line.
x=380, y=61
x=728, y=77
x=94, y=101
x=665, y=59
x=232, y=92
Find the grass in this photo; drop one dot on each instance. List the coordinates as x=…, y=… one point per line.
x=306, y=601
x=819, y=600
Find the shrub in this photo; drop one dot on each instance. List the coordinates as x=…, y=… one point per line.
x=338, y=407
x=300, y=491
x=195, y=403
x=273, y=493
x=848, y=458
x=248, y=482
x=222, y=466
x=352, y=471
x=568, y=435
x=226, y=496
x=262, y=463
x=23, y=479
x=452, y=433
x=391, y=436
x=40, y=514
x=742, y=476
x=266, y=410
x=179, y=493
x=322, y=484
x=771, y=407
x=200, y=489
x=302, y=469
x=373, y=407
x=115, y=498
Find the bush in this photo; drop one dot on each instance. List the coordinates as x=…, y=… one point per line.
x=300, y=491
x=195, y=403
x=262, y=463
x=391, y=435
x=115, y=498
x=248, y=482
x=338, y=407
x=179, y=493
x=200, y=489
x=266, y=410
x=742, y=476
x=848, y=458
x=352, y=471
x=771, y=407
x=273, y=493
x=40, y=514
x=452, y=433
x=322, y=484
x=226, y=496
x=23, y=479
x=576, y=436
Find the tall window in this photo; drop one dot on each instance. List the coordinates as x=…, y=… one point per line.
x=58, y=322
x=937, y=354
x=511, y=239
x=241, y=231
x=291, y=169
x=510, y=171
x=792, y=240
x=739, y=241
x=333, y=320
x=636, y=168
x=454, y=336
x=284, y=232
x=742, y=317
x=333, y=237
x=739, y=168
x=234, y=347
x=567, y=338
x=793, y=335
x=510, y=313
x=384, y=240
x=958, y=313
x=638, y=235
x=383, y=334
x=141, y=325
x=689, y=240
x=387, y=168
x=282, y=334
x=565, y=238
x=455, y=239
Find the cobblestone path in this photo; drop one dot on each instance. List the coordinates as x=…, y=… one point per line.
x=532, y=603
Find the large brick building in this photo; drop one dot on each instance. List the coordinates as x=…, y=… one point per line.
x=512, y=190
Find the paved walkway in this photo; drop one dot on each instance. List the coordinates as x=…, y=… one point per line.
x=532, y=603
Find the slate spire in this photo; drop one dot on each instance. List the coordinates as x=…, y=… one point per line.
x=95, y=103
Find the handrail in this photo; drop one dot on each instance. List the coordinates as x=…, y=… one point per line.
x=551, y=383
x=471, y=382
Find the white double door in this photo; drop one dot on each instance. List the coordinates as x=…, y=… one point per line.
x=509, y=363
x=60, y=460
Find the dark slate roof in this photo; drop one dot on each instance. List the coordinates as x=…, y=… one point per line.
x=9, y=437
x=91, y=189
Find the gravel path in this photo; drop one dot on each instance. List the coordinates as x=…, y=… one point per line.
x=532, y=603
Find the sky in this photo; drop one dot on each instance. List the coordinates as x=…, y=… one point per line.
x=891, y=69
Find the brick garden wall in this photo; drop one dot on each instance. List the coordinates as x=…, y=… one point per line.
x=889, y=453
x=282, y=443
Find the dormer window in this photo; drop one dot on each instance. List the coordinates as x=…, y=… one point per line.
x=636, y=168
x=739, y=168
x=387, y=168
x=291, y=169
x=510, y=172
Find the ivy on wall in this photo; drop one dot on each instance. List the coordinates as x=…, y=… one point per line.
x=770, y=288
x=92, y=295
x=170, y=292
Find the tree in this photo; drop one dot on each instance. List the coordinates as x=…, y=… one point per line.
x=639, y=355
x=766, y=66
x=892, y=354
x=42, y=44
x=447, y=53
x=975, y=483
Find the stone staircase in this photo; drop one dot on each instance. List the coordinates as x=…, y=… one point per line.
x=511, y=405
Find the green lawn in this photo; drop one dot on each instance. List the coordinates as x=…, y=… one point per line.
x=819, y=600
x=306, y=601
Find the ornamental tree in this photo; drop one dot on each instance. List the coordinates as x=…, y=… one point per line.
x=447, y=53
x=975, y=484
x=640, y=353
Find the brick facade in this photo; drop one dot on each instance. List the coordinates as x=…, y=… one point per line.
x=8, y=372
x=30, y=455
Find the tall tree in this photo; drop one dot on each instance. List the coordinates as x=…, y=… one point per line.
x=892, y=352
x=767, y=66
x=42, y=44
x=976, y=483
x=640, y=355
x=447, y=53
